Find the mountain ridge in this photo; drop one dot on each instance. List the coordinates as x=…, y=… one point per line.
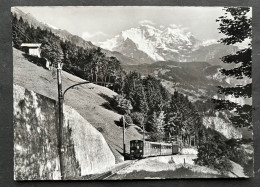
x=65, y=35
x=166, y=43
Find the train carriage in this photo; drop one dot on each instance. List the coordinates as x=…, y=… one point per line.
x=166, y=149
x=142, y=149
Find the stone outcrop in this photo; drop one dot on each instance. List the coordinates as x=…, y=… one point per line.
x=35, y=140
x=222, y=127
x=91, y=150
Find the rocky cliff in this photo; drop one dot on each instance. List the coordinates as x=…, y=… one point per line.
x=35, y=140
x=222, y=127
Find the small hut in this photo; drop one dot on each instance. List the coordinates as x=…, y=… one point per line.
x=32, y=49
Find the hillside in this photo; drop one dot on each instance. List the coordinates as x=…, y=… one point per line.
x=63, y=34
x=67, y=36
x=197, y=80
x=89, y=100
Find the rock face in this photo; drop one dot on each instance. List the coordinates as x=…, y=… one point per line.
x=35, y=140
x=91, y=149
x=222, y=127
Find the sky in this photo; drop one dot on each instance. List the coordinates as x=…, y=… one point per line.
x=99, y=23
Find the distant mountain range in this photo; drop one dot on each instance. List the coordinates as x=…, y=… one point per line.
x=148, y=44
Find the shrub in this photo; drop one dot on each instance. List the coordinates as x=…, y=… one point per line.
x=122, y=105
x=138, y=118
x=128, y=120
x=214, y=152
x=100, y=129
x=214, y=157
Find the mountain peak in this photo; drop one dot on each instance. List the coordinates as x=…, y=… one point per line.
x=149, y=43
x=159, y=43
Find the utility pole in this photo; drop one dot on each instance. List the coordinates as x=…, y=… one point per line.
x=124, y=136
x=60, y=129
x=143, y=134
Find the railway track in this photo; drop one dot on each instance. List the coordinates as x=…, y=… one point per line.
x=112, y=172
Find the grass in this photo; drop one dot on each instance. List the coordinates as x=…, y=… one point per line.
x=88, y=100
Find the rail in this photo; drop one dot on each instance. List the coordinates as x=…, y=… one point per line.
x=112, y=172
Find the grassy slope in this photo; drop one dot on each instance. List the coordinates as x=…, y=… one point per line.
x=86, y=99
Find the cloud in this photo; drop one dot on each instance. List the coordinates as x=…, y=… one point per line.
x=87, y=35
x=148, y=22
x=174, y=26
x=180, y=27
x=161, y=27
x=52, y=26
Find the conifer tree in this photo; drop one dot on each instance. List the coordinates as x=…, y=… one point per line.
x=236, y=26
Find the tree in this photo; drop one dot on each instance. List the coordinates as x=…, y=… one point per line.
x=213, y=152
x=138, y=118
x=97, y=61
x=157, y=124
x=236, y=25
x=122, y=105
x=182, y=119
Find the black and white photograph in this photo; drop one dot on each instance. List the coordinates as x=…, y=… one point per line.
x=132, y=92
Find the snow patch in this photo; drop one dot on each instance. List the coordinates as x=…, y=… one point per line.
x=209, y=42
x=156, y=42
x=189, y=151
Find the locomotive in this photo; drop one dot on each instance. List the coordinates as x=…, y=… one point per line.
x=143, y=149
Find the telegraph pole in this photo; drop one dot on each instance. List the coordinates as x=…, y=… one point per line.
x=60, y=129
x=143, y=134
x=124, y=136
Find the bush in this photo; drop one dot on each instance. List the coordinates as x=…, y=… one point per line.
x=100, y=129
x=214, y=157
x=128, y=120
x=239, y=155
x=138, y=118
x=213, y=152
x=122, y=105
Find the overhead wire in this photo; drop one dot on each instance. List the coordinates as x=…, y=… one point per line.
x=28, y=37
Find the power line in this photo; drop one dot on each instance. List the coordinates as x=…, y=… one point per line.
x=26, y=36
x=70, y=78
x=29, y=38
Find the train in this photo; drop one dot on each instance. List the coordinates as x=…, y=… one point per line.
x=142, y=149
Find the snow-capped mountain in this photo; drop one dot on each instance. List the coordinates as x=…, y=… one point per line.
x=149, y=43
x=157, y=43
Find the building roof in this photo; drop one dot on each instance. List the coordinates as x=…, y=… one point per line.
x=31, y=45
